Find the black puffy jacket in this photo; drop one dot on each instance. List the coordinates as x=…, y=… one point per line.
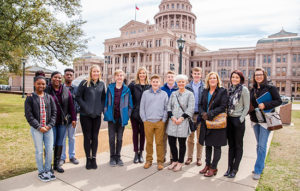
x=257, y=92
x=32, y=110
x=91, y=99
x=137, y=92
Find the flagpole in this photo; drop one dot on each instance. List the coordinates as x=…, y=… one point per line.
x=135, y=12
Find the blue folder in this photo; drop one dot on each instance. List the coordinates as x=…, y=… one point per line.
x=266, y=97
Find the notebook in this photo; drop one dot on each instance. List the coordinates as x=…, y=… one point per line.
x=266, y=97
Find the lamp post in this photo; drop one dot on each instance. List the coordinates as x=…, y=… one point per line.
x=249, y=79
x=23, y=62
x=180, y=43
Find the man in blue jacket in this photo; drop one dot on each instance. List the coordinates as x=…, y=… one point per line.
x=117, y=110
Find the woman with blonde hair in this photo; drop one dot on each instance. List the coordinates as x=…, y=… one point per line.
x=91, y=99
x=137, y=88
x=213, y=102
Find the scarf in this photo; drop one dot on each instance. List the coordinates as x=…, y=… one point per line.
x=234, y=94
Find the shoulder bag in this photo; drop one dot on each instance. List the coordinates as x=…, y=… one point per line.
x=219, y=121
x=191, y=123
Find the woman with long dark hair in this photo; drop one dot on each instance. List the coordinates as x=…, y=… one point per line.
x=137, y=88
x=238, y=107
x=260, y=87
x=91, y=98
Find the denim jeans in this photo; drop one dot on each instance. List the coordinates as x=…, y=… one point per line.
x=38, y=139
x=70, y=131
x=59, y=132
x=261, y=135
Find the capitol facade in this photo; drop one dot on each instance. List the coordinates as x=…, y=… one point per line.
x=154, y=47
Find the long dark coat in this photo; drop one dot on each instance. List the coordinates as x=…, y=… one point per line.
x=213, y=137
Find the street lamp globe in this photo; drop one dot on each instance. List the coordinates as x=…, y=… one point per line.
x=180, y=43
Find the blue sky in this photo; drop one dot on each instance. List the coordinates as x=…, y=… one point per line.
x=220, y=23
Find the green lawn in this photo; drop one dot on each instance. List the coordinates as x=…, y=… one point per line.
x=17, y=149
x=282, y=171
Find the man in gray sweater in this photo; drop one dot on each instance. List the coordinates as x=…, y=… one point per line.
x=153, y=112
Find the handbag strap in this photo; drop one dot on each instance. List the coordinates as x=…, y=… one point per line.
x=211, y=100
x=63, y=113
x=179, y=104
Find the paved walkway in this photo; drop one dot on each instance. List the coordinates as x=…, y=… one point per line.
x=134, y=177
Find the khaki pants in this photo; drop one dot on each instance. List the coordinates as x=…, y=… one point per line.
x=191, y=142
x=156, y=129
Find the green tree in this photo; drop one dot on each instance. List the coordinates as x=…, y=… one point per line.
x=31, y=28
x=3, y=76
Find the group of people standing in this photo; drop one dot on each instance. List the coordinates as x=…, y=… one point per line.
x=160, y=113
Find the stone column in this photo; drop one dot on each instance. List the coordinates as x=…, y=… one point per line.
x=257, y=60
x=113, y=63
x=289, y=64
x=152, y=64
x=180, y=24
x=273, y=67
x=129, y=67
x=138, y=60
x=260, y=60
x=288, y=88
x=121, y=62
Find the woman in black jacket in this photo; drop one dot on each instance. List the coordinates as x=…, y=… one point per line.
x=213, y=102
x=261, y=87
x=137, y=88
x=91, y=99
x=64, y=103
x=40, y=112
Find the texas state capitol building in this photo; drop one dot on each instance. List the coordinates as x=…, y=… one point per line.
x=154, y=46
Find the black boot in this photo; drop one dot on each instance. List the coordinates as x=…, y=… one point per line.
x=136, y=158
x=88, y=165
x=232, y=173
x=228, y=171
x=94, y=163
x=141, y=159
x=57, y=155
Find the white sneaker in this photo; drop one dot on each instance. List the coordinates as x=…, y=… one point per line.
x=256, y=176
x=43, y=177
x=51, y=175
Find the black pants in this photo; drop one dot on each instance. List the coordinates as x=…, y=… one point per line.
x=217, y=156
x=90, y=128
x=174, y=150
x=115, y=131
x=235, y=135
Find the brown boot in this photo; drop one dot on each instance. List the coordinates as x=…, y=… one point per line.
x=147, y=165
x=160, y=166
x=188, y=161
x=211, y=172
x=203, y=171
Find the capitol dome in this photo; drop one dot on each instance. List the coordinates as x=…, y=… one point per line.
x=177, y=16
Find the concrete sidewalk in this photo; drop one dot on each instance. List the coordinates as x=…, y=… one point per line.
x=135, y=177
